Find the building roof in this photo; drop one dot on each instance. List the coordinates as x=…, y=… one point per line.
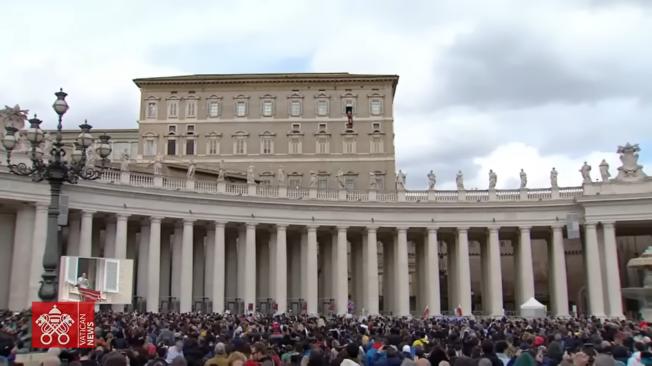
x=264, y=78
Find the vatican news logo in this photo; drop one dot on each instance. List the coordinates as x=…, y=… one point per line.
x=63, y=324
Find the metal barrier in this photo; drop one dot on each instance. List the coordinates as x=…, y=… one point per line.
x=297, y=306
x=170, y=304
x=139, y=304
x=265, y=305
x=202, y=305
x=235, y=305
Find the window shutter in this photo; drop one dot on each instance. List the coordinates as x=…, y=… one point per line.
x=112, y=270
x=71, y=270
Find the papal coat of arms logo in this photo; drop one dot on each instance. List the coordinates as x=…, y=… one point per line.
x=63, y=325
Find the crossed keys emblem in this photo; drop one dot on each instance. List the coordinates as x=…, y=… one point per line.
x=54, y=323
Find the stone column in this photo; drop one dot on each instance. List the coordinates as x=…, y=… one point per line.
x=342, y=273
x=121, y=236
x=86, y=234
x=312, y=292
x=109, y=237
x=219, y=267
x=250, y=267
x=593, y=271
x=154, y=264
x=615, y=304
x=21, y=259
x=185, y=302
x=463, y=271
x=371, y=277
x=281, y=268
x=38, y=249
x=209, y=245
x=558, y=272
x=175, y=257
x=72, y=249
x=432, y=288
x=402, y=271
x=494, y=280
x=143, y=243
x=525, y=271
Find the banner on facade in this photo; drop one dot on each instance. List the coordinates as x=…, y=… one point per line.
x=98, y=280
x=63, y=325
x=573, y=226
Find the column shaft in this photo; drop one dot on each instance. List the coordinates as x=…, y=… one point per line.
x=143, y=243
x=525, y=271
x=371, y=276
x=21, y=259
x=558, y=271
x=250, y=268
x=494, y=280
x=74, y=228
x=342, y=273
x=281, y=268
x=121, y=236
x=38, y=249
x=432, y=288
x=219, y=266
x=154, y=264
x=611, y=270
x=402, y=271
x=593, y=271
x=463, y=271
x=185, y=302
x=312, y=292
x=86, y=234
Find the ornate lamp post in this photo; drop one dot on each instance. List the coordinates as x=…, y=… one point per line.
x=56, y=172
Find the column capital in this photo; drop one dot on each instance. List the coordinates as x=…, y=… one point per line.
x=188, y=221
x=251, y=224
x=219, y=224
x=312, y=227
x=155, y=219
x=121, y=216
x=372, y=229
x=402, y=228
x=462, y=229
x=557, y=225
x=341, y=228
x=492, y=228
x=608, y=224
x=432, y=229
x=523, y=228
x=590, y=225
x=85, y=212
x=41, y=205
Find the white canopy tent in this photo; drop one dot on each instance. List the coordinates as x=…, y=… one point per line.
x=533, y=309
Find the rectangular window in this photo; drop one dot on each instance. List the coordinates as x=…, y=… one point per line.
x=172, y=129
x=240, y=146
x=380, y=182
x=375, y=126
x=267, y=146
x=322, y=127
x=150, y=147
x=295, y=108
x=213, y=109
x=349, y=182
x=191, y=108
x=190, y=130
x=111, y=272
x=322, y=146
x=294, y=182
x=376, y=146
x=241, y=109
x=267, y=108
x=322, y=182
x=71, y=270
x=190, y=147
x=295, y=146
x=172, y=147
x=376, y=107
x=151, y=110
x=348, y=105
x=322, y=107
x=349, y=146
x=296, y=127
x=212, y=147
x=172, y=109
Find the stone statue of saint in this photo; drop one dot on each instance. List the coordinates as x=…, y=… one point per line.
x=220, y=172
x=251, y=179
x=340, y=179
x=432, y=180
x=604, y=171
x=586, y=173
x=459, y=181
x=190, y=174
x=158, y=165
x=372, y=180
x=280, y=177
x=631, y=170
x=523, y=179
x=124, y=161
x=313, y=179
x=493, y=178
x=400, y=180
x=553, y=178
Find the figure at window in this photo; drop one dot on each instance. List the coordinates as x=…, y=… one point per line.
x=349, y=116
x=82, y=281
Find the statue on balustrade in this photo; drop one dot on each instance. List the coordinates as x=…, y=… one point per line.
x=432, y=180
x=604, y=171
x=91, y=156
x=372, y=180
x=13, y=116
x=251, y=178
x=400, y=180
x=586, y=173
x=190, y=174
x=220, y=172
x=340, y=179
x=280, y=177
x=124, y=161
x=523, y=179
x=493, y=178
x=158, y=165
x=459, y=181
x=553, y=178
x=313, y=179
x=630, y=171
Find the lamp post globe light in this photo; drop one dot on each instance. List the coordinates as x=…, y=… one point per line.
x=56, y=171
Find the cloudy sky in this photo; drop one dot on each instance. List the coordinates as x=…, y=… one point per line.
x=500, y=84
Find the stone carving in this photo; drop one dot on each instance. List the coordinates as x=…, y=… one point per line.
x=190, y=173
x=313, y=179
x=523, y=179
x=586, y=173
x=459, y=181
x=91, y=156
x=372, y=180
x=604, y=171
x=158, y=165
x=124, y=161
x=220, y=172
x=493, y=178
x=553, y=178
x=400, y=180
x=251, y=179
x=630, y=171
x=432, y=180
x=280, y=177
x=340, y=179
x=23, y=146
x=13, y=116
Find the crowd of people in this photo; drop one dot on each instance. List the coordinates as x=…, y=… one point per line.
x=259, y=340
